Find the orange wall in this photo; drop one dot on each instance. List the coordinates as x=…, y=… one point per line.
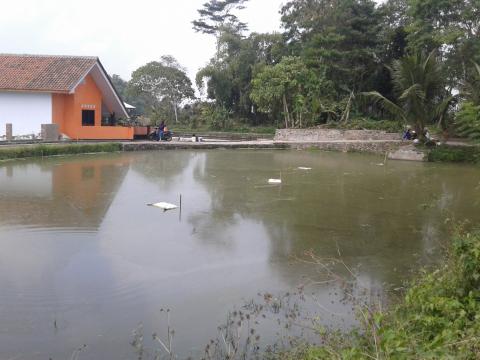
x=67, y=113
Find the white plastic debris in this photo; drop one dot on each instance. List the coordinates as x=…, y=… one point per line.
x=304, y=168
x=274, y=181
x=164, y=205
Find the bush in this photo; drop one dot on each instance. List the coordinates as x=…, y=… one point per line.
x=467, y=121
x=216, y=117
x=461, y=154
x=439, y=317
x=50, y=150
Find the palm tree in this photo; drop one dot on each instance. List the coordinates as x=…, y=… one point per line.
x=419, y=89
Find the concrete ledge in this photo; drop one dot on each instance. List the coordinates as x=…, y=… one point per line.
x=408, y=153
x=149, y=145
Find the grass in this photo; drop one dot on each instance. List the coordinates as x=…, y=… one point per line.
x=458, y=154
x=19, y=152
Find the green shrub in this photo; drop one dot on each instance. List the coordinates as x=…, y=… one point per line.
x=467, y=121
x=462, y=154
x=50, y=150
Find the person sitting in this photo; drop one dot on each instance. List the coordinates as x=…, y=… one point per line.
x=161, y=130
x=426, y=134
x=407, y=135
x=429, y=141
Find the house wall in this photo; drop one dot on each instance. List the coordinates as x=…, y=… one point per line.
x=25, y=111
x=67, y=113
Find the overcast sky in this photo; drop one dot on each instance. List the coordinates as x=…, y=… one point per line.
x=124, y=34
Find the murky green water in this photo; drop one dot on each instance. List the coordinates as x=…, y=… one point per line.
x=83, y=260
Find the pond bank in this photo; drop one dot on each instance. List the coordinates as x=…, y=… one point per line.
x=396, y=149
x=437, y=317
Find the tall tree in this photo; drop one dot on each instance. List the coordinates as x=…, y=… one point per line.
x=338, y=34
x=163, y=80
x=216, y=14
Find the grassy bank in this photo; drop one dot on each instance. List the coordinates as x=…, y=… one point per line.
x=459, y=154
x=438, y=318
x=20, y=152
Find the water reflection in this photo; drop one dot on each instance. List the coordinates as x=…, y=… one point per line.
x=59, y=193
x=81, y=248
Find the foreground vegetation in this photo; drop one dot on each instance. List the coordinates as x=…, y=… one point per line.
x=460, y=154
x=438, y=318
x=27, y=151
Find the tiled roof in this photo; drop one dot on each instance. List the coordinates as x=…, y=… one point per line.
x=43, y=72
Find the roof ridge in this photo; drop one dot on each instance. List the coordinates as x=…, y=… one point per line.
x=52, y=56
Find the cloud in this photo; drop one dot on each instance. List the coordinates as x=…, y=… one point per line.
x=124, y=34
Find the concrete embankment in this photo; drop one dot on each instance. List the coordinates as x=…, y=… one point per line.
x=176, y=145
x=333, y=135
x=371, y=141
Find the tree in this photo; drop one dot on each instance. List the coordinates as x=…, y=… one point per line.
x=467, y=120
x=291, y=87
x=452, y=27
x=163, y=80
x=338, y=36
x=421, y=98
x=143, y=102
x=216, y=14
x=228, y=76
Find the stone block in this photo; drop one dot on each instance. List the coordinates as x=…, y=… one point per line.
x=50, y=132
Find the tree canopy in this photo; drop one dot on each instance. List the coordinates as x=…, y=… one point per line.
x=165, y=81
x=410, y=56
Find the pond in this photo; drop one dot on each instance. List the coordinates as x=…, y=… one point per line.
x=84, y=260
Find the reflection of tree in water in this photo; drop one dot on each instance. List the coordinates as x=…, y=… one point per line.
x=378, y=216
x=165, y=168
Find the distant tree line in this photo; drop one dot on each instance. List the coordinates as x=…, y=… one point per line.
x=410, y=61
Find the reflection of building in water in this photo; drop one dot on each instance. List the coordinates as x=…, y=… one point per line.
x=65, y=193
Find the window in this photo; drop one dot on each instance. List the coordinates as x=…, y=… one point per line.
x=88, y=117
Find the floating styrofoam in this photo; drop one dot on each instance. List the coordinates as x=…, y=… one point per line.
x=274, y=181
x=164, y=205
x=304, y=168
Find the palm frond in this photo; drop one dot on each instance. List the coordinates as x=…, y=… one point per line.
x=414, y=91
x=386, y=104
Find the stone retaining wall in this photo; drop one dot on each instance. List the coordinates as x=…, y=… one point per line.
x=313, y=135
x=376, y=147
x=144, y=146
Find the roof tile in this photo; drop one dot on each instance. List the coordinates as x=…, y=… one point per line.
x=43, y=72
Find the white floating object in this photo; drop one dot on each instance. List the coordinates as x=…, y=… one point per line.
x=380, y=164
x=304, y=168
x=274, y=181
x=165, y=206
